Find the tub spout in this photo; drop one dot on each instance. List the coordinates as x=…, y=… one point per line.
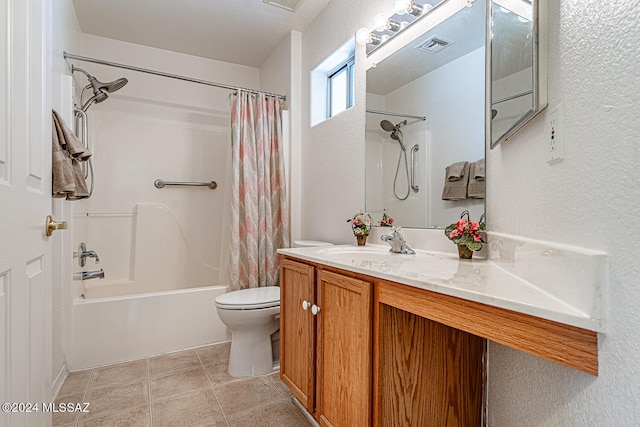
x=86, y=275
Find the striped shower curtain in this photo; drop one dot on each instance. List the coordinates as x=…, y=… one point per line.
x=260, y=222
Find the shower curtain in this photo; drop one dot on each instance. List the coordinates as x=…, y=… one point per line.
x=260, y=223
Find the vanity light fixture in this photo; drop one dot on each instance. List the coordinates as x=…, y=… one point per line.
x=405, y=12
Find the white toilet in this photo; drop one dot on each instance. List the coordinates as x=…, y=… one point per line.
x=253, y=316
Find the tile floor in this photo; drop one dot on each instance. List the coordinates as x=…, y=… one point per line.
x=188, y=388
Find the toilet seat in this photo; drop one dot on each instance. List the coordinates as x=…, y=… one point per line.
x=250, y=299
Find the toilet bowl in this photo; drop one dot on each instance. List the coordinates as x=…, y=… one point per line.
x=253, y=316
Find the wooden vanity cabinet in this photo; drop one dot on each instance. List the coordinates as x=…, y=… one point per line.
x=355, y=353
x=297, y=331
x=326, y=343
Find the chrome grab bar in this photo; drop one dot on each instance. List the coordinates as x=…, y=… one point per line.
x=85, y=136
x=161, y=184
x=414, y=187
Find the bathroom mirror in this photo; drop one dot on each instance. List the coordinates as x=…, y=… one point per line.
x=440, y=75
x=517, y=60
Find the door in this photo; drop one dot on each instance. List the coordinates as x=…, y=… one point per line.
x=25, y=201
x=297, y=343
x=344, y=361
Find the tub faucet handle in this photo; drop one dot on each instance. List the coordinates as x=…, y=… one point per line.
x=83, y=254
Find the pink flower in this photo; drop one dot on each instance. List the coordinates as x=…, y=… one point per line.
x=454, y=234
x=477, y=238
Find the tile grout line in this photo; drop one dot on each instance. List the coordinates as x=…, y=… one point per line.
x=215, y=394
x=286, y=399
x=84, y=396
x=149, y=393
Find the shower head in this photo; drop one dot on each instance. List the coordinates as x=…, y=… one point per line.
x=396, y=133
x=109, y=87
x=387, y=125
x=100, y=89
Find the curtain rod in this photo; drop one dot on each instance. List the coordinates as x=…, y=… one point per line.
x=407, y=116
x=163, y=74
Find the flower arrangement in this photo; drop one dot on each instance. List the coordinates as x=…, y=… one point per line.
x=466, y=232
x=386, y=220
x=360, y=224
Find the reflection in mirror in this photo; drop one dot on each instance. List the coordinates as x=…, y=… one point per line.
x=439, y=76
x=518, y=86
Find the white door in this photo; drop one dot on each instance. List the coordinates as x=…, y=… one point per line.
x=25, y=201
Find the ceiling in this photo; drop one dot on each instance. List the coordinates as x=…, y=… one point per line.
x=236, y=31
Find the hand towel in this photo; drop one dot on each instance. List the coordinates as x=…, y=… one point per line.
x=67, y=151
x=69, y=140
x=476, y=187
x=456, y=190
x=63, y=181
x=455, y=172
x=81, y=191
x=479, y=170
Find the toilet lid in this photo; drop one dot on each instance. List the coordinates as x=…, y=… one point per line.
x=247, y=299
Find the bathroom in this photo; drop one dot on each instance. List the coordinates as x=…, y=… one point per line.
x=580, y=201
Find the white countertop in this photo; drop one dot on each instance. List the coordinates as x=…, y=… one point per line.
x=479, y=280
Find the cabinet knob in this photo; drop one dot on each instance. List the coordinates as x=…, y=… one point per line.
x=305, y=305
x=315, y=309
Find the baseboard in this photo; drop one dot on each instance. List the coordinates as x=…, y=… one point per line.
x=56, y=385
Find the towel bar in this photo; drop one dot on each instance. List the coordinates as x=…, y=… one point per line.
x=161, y=184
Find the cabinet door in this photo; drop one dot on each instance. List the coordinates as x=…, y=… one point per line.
x=297, y=343
x=344, y=370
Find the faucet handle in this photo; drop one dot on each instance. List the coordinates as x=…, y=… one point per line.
x=83, y=254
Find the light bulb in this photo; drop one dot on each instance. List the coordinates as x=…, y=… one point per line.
x=401, y=6
x=380, y=22
x=363, y=35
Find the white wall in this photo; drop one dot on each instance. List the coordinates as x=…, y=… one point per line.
x=590, y=199
x=333, y=152
x=587, y=200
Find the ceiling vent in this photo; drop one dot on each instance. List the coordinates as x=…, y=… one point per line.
x=290, y=5
x=434, y=44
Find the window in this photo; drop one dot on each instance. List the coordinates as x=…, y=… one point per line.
x=340, y=88
x=332, y=84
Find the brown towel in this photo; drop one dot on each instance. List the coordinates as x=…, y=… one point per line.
x=476, y=187
x=479, y=170
x=67, y=151
x=455, y=172
x=456, y=190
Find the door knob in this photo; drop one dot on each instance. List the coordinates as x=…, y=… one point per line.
x=315, y=309
x=51, y=225
x=305, y=305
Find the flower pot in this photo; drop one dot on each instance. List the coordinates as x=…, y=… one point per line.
x=362, y=239
x=464, y=252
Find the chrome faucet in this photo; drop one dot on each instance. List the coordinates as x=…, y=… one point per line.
x=83, y=254
x=398, y=245
x=86, y=275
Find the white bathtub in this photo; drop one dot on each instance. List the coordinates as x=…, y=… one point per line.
x=114, y=329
